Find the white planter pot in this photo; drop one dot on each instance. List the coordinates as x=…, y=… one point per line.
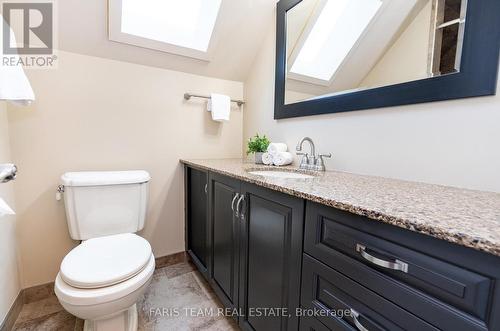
x=258, y=158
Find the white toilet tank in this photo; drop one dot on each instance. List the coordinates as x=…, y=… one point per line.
x=105, y=203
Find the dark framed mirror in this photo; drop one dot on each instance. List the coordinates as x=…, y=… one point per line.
x=344, y=55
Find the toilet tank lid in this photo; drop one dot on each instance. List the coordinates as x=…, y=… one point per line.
x=97, y=178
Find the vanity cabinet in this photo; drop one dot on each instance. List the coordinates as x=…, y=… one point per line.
x=353, y=306
x=312, y=324
x=254, y=248
x=414, y=282
x=263, y=250
x=270, y=258
x=224, y=236
x=196, y=202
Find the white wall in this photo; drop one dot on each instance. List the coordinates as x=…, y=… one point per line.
x=99, y=114
x=452, y=143
x=9, y=274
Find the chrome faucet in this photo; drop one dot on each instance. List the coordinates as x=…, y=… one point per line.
x=311, y=161
x=307, y=161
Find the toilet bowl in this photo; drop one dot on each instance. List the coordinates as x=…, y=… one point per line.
x=101, y=280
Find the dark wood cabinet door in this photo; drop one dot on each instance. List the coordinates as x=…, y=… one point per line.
x=225, y=238
x=270, y=259
x=197, y=243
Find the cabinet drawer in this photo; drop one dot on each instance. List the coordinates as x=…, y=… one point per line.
x=427, y=308
x=352, y=305
x=329, y=231
x=312, y=324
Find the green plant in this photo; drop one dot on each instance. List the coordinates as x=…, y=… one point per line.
x=257, y=144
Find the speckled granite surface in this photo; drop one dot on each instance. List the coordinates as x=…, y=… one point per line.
x=465, y=217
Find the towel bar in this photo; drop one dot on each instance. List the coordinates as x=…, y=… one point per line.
x=188, y=96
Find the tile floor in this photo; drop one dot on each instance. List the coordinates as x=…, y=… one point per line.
x=178, y=299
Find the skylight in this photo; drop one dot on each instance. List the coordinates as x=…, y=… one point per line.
x=183, y=27
x=334, y=33
x=186, y=23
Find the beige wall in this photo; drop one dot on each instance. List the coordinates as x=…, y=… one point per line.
x=98, y=114
x=407, y=58
x=452, y=143
x=9, y=273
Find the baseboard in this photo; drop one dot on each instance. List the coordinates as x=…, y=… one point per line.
x=165, y=261
x=39, y=292
x=15, y=309
x=27, y=295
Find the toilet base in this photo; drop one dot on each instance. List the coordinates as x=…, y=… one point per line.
x=126, y=320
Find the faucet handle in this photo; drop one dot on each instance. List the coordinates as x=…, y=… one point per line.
x=304, y=163
x=329, y=155
x=320, y=163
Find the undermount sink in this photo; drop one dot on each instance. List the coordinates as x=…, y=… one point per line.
x=280, y=174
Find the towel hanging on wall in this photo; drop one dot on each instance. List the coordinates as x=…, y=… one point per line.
x=220, y=107
x=14, y=85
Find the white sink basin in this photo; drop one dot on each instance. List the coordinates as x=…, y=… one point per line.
x=280, y=174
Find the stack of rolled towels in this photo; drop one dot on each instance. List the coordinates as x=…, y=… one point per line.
x=277, y=154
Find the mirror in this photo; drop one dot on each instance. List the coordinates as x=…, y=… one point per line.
x=334, y=47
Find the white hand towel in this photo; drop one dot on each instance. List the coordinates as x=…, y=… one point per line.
x=220, y=106
x=267, y=159
x=275, y=148
x=14, y=85
x=5, y=209
x=282, y=158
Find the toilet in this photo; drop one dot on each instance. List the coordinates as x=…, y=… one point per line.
x=102, y=279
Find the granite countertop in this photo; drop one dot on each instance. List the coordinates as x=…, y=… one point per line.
x=465, y=217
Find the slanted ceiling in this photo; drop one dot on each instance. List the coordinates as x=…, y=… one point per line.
x=83, y=28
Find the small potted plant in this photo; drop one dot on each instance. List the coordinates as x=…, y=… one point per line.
x=258, y=145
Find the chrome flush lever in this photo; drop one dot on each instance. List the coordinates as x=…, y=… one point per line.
x=59, y=192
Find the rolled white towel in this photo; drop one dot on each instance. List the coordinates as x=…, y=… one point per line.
x=267, y=159
x=282, y=158
x=275, y=148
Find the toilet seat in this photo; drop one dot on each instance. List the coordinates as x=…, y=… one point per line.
x=105, y=261
x=74, y=296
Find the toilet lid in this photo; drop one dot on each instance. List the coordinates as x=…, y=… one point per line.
x=105, y=261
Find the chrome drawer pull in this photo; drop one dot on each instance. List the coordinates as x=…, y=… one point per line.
x=355, y=316
x=232, y=202
x=396, y=265
x=242, y=197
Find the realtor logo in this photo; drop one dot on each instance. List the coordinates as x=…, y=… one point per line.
x=28, y=36
x=37, y=28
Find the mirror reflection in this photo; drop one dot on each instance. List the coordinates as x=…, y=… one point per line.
x=342, y=46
